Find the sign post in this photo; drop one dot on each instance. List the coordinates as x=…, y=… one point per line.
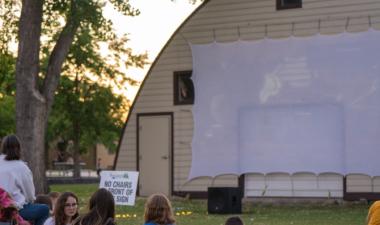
x=122, y=185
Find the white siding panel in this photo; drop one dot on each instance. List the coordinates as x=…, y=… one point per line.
x=331, y=184
x=359, y=183
x=376, y=184
x=146, y=94
x=127, y=157
x=152, y=105
x=268, y=14
x=305, y=184
x=225, y=181
x=154, y=109
x=255, y=185
x=201, y=184
x=161, y=83
x=179, y=66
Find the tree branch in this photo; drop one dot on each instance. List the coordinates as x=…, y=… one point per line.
x=56, y=60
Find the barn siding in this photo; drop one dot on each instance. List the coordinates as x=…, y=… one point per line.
x=225, y=21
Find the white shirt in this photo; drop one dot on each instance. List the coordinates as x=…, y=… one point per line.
x=17, y=179
x=49, y=221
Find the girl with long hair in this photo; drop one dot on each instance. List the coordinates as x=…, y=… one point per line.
x=101, y=209
x=65, y=211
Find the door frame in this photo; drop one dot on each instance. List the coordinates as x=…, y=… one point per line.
x=171, y=150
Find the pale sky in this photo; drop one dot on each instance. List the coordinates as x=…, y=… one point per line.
x=149, y=31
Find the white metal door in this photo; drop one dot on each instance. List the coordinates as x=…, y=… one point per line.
x=154, y=154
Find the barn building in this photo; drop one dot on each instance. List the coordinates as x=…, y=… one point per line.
x=158, y=137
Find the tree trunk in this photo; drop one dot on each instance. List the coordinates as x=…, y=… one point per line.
x=76, y=129
x=31, y=111
x=76, y=149
x=30, y=128
x=33, y=106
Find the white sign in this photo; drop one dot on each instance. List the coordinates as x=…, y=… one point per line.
x=122, y=185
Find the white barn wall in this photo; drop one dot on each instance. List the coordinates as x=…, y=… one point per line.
x=226, y=21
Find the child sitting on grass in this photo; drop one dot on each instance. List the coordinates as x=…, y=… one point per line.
x=44, y=199
x=158, y=211
x=49, y=200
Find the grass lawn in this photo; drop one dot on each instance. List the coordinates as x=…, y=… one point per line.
x=194, y=212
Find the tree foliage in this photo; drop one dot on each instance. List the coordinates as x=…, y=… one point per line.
x=84, y=57
x=60, y=38
x=91, y=30
x=7, y=69
x=95, y=110
x=86, y=113
x=7, y=91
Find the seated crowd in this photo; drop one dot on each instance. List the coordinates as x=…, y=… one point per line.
x=19, y=205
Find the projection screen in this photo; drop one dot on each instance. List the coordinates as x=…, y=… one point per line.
x=299, y=104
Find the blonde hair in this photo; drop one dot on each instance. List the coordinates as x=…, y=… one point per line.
x=158, y=209
x=373, y=217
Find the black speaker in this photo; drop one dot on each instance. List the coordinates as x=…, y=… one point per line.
x=224, y=200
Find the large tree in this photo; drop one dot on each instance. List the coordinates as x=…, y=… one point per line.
x=46, y=31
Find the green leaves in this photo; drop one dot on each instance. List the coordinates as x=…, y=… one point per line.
x=7, y=74
x=124, y=7
x=95, y=109
x=7, y=92
x=7, y=115
x=9, y=12
x=85, y=99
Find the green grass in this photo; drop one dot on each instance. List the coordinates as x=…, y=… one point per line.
x=194, y=212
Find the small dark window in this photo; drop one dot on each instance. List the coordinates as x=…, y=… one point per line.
x=183, y=88
x=288, y=4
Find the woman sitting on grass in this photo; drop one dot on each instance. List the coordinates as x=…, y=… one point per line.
x=101, y=209
x=158, y=211
x=17, y=180
x=65, y=211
